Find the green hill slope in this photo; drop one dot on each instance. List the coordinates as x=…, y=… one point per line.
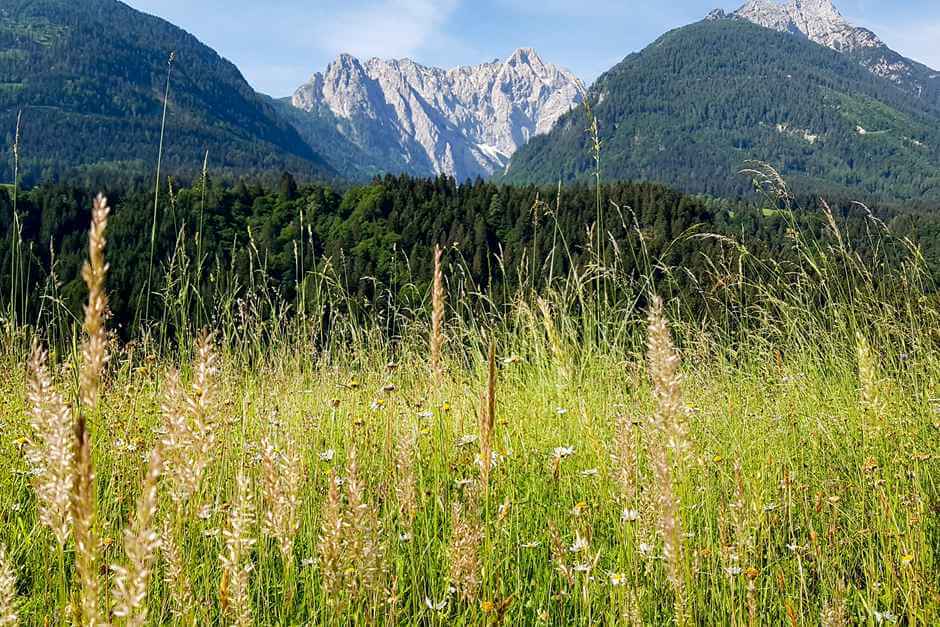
x=89, y=76
x=696, y=105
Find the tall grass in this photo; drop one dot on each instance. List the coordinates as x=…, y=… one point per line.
x=156, y=190
x=583, y=454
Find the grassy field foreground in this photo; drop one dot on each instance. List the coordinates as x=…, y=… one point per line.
x=531, y=466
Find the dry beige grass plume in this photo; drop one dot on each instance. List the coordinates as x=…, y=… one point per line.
x=141, y=543
x=95, y=345
x=175, y=575
x=282, y=481
x=668, y=425
x=350, y=548
x=236, y=567
x=190, y=424
x=463, y=554
x=94, y=358
x=406, y=488
x=8, y=614
x=330, y=544
x=50, y=452
x=363, y=546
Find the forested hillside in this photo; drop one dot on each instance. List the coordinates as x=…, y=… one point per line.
x=89, y=79
x=695, y=106
x=379, y=237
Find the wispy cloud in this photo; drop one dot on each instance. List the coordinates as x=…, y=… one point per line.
x=386, y=28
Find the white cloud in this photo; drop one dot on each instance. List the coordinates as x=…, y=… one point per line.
x=384, y=28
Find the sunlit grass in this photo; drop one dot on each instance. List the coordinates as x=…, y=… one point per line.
x=794, y=452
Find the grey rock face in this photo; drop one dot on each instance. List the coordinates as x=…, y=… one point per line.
x=463, y=122
x=820, y=21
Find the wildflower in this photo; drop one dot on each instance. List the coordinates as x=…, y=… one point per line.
x=562, y=452
x=907, y=559
x=580, y=544
x=590, y=472
x=466, y=440
x=404, y=537
x=327, y=455
x=770, y=507
x=377, y=404
x=426, y=414
x=486, y=607
x=436, y=607
x=885, y=617
x=494, y=456
x=308, y=562
x=629, y=515
x=561, y=411
x=579, y=508
x=618, y=579
x=531, y=545
x=733, y=570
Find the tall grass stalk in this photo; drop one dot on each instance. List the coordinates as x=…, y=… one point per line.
x=156, y=188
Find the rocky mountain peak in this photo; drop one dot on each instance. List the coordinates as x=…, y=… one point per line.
x=524, y=56
x=818, y=20
x=464, y=122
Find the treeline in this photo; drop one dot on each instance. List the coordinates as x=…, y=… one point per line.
x=219, y=244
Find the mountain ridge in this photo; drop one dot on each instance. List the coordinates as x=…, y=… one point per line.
x=464, y=122
x=696, y=105
x=821, y=22
x=89, y=79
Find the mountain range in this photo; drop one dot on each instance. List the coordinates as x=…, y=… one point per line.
x=791, y=83
x=464, y=122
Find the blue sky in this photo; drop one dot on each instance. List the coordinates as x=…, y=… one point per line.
x=278, y=44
